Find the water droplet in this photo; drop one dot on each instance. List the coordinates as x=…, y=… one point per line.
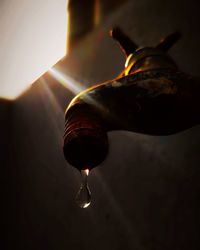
x=83, y=197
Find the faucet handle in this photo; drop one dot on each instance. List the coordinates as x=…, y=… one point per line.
x=125, y=43
x=167, y=42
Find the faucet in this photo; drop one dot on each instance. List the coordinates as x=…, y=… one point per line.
x=150, y=96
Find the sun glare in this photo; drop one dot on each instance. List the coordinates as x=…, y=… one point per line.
x=66, y=81
x=33, y=39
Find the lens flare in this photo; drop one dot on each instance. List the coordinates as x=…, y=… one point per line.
x=66, y=81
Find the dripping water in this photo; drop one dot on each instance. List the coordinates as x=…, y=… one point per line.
x=83, y=197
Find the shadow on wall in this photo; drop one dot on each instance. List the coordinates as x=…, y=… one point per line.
x=145, y=195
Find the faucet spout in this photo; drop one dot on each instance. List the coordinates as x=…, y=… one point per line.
x=151, y=96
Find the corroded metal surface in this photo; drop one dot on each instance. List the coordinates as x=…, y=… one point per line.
x=151, y=96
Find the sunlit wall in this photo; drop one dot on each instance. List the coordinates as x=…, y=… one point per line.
x=33, y=39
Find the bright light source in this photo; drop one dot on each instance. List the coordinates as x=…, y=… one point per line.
x=33, y=39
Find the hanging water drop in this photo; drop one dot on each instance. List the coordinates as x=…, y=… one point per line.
x=83, y=197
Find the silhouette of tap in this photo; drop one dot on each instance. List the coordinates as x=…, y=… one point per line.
x=150, y=96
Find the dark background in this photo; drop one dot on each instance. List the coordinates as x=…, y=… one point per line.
x=146, y=194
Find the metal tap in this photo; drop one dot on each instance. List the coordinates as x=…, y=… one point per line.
x=150, y=96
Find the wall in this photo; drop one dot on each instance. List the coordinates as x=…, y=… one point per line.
x=145, y=195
